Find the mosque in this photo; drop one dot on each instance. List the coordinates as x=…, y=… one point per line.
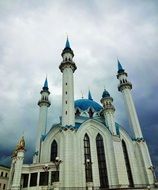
x=88, y=149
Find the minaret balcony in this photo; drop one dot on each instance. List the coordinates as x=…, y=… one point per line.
x=44, y=103
x=109, y=108
x=126, y=85
x=67, y=64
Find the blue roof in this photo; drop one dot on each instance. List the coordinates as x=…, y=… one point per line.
x=105, y=94
x=84, y=104
x=120, y=68
x=46, y=83
x=67, y=45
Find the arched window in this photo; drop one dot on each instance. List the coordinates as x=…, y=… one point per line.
x=54, y=151
x=87, y=157
x=77, y=113
x=90, y=112
x=127, y=163
x=102, y=162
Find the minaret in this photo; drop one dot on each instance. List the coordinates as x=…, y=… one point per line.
x=108, y=111
x=68, y=67
x=125, y=87
x=43, y=103
x=18, y=165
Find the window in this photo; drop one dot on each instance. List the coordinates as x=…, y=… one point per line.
x=3, y=186
x=66, y=112
x=6, y=174
x=2, y=174
x=54, y=176
x=54, y=149
x=0, y=185
x=25, y=179
x=127, y=163
x=66, y=83
x=33, y=180
x=66, y=101
x=101, y=162
x=87, y=157
x=44, y=178
x=66, y=92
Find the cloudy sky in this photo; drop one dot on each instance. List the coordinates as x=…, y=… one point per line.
x=32, y=36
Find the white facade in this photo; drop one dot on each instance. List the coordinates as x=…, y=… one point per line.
x=4, y=176
x=88, y=149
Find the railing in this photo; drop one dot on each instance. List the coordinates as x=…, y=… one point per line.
x=114, y=187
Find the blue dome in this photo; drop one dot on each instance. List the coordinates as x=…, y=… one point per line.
x=105, y=94
x=84, y=104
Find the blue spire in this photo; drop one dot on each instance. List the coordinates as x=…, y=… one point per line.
x=67, y=45
x=90, y=96
x=120, y=68
x=45, y=83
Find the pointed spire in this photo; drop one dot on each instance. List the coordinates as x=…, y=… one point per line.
x=90, y=96
x=67, y=49
x=67, y=45
x=120, y=68
x=46, y=83
x=45, y=87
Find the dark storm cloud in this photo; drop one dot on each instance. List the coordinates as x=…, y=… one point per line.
x=32, y=36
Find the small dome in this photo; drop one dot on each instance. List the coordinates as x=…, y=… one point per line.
x=105, y=94
x=84, y=104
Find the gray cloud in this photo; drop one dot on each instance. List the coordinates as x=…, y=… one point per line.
x=32, y=36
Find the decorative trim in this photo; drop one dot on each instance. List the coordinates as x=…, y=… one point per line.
x=139, y=139
x=68, y=127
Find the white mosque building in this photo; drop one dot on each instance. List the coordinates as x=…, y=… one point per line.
x=88, y=149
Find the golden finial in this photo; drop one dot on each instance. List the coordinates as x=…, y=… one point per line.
x=21, y=144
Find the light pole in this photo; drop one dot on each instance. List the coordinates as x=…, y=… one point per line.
x=46, y=169
x=57, y=162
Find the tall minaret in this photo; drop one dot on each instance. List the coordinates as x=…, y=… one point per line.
x=125, y=87
x=108, y=111
x=43, y=103
x=68, y=67
x=16, y=184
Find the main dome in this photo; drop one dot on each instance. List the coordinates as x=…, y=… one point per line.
x=84, y=104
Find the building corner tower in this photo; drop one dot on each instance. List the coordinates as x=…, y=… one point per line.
x=68, y=67
x=16, y=176
x=125, y=88
x=43, y=103
x=108, y=111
